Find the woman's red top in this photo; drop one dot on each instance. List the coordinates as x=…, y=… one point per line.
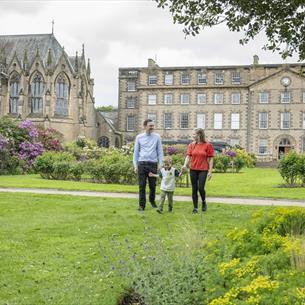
x=200, y=152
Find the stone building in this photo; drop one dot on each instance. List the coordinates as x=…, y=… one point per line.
x=260, y=107
x=41, y=82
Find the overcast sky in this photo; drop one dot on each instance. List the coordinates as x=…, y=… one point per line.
x=125, y=34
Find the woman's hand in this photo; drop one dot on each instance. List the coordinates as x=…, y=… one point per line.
x=209, y=175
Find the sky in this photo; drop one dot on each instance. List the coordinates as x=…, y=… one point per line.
x=125, y=33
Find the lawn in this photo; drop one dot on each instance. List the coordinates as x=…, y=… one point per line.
x=51, y=246
x=253, y=182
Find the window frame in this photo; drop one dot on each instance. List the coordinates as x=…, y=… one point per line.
x=181, y=120
x=260, y=121
x=151, y=101
x=220, y=114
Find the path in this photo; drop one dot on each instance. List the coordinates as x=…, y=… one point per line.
x=233, y=200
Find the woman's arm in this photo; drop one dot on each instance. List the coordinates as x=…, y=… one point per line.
x=211, y=163
x=186, y=162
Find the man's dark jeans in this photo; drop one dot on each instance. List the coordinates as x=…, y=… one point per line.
x=144, y=167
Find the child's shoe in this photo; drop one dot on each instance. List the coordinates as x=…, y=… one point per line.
x=159, y=211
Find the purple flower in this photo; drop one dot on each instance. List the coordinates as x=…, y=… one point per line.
x=29, y=151
x=26, y=124
x=231, y=153
x=3, y=142
x=171, y=150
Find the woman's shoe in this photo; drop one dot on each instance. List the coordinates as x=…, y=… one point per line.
x=195, y=211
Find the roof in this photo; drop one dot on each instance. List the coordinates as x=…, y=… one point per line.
x=12, y=44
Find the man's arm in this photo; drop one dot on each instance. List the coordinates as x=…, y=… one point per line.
x=160, y=152
x=136, y=153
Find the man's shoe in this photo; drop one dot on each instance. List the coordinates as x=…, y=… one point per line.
x=159, y=211
x=204, y=206
x=170, y=210
x=153, y=205
x=140, y=209
x=195, y=211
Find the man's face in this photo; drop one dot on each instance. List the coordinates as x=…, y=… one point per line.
x=150, y=127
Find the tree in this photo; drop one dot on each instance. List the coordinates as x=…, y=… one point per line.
x=282, y=21
x=108, y=108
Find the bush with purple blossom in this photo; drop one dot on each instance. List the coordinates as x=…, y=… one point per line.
x=22, y=142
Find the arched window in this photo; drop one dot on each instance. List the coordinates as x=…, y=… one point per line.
x=62, y=95
x=103, y=142
x=284, y=142
x=36, y=93
x=14, y=93
x=117, y=142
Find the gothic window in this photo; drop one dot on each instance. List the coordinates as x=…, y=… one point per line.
x=103, y=142
x=36, y=93
x=117, y=143
x=62, y=95
x=14, y=93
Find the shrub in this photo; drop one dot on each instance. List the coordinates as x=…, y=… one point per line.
x=288, y=167
x=76, y=170
x=221, y=163
x=53, y=165
x=284, y=221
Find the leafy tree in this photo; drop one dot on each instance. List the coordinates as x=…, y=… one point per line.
x=282, y=21
x=108, y=108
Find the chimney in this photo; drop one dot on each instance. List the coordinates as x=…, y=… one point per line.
x=255, y=60
x=151, y=63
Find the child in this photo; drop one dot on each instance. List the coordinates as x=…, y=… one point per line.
x=168, y=174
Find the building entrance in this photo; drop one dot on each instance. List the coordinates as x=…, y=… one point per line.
x=284, y=147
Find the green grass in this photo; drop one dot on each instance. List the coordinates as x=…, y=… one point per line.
x=254, y=182
x=51, y=246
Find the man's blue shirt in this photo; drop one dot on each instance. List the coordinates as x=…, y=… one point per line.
x=148, y=147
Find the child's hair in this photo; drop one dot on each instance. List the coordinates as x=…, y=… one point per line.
x=168, y=160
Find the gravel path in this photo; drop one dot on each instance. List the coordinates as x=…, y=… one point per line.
x=233, y=200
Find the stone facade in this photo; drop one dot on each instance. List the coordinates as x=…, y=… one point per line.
x=260, y=107
x=40, y=82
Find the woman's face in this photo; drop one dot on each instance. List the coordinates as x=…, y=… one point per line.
x=195, y=136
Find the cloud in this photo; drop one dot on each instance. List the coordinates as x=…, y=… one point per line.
x=125, y=34
x=21, y=7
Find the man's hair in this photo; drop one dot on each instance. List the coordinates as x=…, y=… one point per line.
x=201, y=135
x=146, y=122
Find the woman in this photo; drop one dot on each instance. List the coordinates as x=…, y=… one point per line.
x=201, y=154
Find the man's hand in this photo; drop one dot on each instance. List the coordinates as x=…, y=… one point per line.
x=135, y=169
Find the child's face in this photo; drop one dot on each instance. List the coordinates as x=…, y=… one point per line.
x=167, y=165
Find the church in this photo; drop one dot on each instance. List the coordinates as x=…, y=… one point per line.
x=40, y=82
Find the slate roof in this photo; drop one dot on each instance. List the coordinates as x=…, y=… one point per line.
x=20, y=43
x=31, y=42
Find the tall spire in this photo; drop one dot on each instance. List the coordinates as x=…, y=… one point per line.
x=88, y=68
x=83, y=51
x=53, y=27
x=76, y=62
x=49, y=59
x=25, y=60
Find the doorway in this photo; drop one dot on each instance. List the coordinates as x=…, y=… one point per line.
x=283, y=148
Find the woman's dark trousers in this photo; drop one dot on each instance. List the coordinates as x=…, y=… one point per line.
x=198, y=179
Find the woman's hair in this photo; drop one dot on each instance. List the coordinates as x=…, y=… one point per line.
x=200, y=134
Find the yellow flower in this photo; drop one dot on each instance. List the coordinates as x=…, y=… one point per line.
x=223, y=267
x=261, y=282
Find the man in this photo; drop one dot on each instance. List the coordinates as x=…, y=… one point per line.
x=147, y=157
